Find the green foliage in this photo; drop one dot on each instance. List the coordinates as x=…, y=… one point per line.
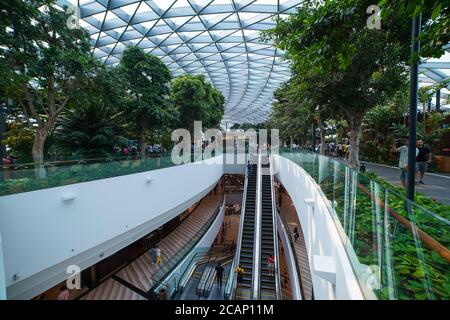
x=42, y=63
x=339, y=63
x=89, y=129
x=435, y=21
x=417, y=271
x=197, y=100
x=19, y=138
x=147, y=80
x=246, y=126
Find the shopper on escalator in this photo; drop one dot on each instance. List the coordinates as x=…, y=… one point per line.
x=240, y=276
x=271, y=265
x=219, y=274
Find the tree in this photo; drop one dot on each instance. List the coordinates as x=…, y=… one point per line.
x=335, y=55
x=435, y=33
x=147, y=81
x=93, y=122
x=19, y=139
x=215, y=109
x=89, y=129
x=42, y=63
x=197, y=100
x=288, y=114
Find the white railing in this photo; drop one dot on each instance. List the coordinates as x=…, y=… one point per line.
x=257, y=238
x=275, y=234
x=229, y=291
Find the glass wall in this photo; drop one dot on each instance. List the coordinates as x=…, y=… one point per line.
x=402, y=248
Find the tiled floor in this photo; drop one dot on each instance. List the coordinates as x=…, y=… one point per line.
x=139, y=273
x=112, y=290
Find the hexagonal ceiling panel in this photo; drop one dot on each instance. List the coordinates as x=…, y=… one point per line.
x=217, y=38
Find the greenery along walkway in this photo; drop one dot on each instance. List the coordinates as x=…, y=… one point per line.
x=404, y=245
x=24, y=180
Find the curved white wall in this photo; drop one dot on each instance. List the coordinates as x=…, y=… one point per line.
x=42, y=234
x=331, y=270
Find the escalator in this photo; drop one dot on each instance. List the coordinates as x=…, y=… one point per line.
x=268, y=287
x=248, y=235
x=199, y=281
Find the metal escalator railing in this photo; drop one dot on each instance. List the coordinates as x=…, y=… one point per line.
x=205, y=278
x=269, y=284
x=296, y=279
x=257, y=234
x=275, y=232
x=198, y=258
x=208, y=275
x=166, y=274
x=231, y=280
x=247, y=247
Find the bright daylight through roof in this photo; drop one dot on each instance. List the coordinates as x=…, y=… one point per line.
x=225, y=150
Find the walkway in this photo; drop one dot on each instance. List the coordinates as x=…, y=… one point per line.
x=135, y=280
x=436, y=187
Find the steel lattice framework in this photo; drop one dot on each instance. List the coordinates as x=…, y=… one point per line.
x=217, y=38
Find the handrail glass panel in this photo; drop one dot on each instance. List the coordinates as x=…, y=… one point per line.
x=402, y=249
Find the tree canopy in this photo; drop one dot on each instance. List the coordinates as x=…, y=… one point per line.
x=197, y=100
x=340, y=64
x=147, y=80
x=42, y=63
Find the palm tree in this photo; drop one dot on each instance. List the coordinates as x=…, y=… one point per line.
x=90, y=129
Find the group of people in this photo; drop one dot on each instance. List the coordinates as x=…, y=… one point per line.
x=423, y=158
x=340, y=150
x=126, y=151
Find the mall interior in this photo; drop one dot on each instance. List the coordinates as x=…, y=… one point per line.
x=263, y=217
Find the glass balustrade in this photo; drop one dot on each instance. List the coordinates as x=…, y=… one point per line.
x=401, y=247
x=164, y=274
x=23, y=177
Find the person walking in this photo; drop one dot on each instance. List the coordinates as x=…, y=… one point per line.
x=153, y=254
x=240, y=276
x=162, y=294
x=271, y=265
x=422, y=160
x=158, y=255
x=296, y=234
x=219, y=274
x=403, y=160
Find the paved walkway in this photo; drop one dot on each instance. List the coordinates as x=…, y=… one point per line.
x=436, y=187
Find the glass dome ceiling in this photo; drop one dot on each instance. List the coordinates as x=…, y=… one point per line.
x=217, y=38
x=433, y=71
